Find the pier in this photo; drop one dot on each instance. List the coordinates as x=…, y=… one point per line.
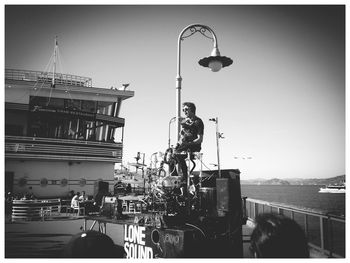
x=46, y=239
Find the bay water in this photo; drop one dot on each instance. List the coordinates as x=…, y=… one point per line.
x=304, y=196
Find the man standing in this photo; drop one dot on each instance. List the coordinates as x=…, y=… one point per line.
x=191, y=136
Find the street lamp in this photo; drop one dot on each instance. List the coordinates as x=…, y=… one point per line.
x=215, y=62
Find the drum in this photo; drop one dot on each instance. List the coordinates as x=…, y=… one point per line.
x=170, y=182
x=207, y=201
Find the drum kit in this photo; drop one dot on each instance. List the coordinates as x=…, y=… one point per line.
x=166, y=194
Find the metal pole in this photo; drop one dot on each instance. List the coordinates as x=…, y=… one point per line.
x=143, y=175
x=54, y=62
x=217, y=144
x=171, y=120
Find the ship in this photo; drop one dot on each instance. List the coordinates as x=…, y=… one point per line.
x=62, y=134
x=334, y=189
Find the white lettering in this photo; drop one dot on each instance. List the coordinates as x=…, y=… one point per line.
x=126, y=249
x=132, y=251
x=125, y=233
x=142, y=235
x=149, y=252
x=130, y=233
x=135, y=234
x=134, y=242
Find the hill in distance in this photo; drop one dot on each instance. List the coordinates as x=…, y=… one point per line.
x=297, y=181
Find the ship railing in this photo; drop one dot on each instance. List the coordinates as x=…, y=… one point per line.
x=325, y=231
x=46, y=77
x=61, y=149
x=35, y=209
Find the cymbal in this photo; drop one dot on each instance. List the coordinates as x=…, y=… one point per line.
x=137, y=164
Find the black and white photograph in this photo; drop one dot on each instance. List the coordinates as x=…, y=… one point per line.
x=174, y=130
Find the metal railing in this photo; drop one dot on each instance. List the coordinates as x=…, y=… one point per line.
x=325, y=232
x=35, y=209
x=46, y=77
x=50, y=148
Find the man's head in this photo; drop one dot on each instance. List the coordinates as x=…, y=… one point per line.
x=189, y=109
x=276, y=236
x=91, y=244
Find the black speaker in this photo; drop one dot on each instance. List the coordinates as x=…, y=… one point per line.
x=174, y=243
x=223, y=195
x=228, y=191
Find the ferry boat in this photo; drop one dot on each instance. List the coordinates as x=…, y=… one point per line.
x=62, y=134
x=333, y=189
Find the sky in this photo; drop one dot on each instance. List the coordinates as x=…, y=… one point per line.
x=280, y=105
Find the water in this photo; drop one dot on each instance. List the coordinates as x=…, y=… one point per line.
x=298, y=195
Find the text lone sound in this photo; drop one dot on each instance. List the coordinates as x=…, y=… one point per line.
x=134, y=242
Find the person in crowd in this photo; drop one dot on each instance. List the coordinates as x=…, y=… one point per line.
x=128, y=189
x=83, y=197
x=75, y=200
x=70, y=194
x=92, y=244
x=191, y=136
x=277, y=236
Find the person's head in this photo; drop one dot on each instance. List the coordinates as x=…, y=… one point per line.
x=189, y=109
x=83, y=193
x=78, y=193
x=91, y=244
x=276, y=236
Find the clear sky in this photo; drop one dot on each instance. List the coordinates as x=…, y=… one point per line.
x=281, y=102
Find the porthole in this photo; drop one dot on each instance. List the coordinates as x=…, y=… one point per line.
x=64, y=182
x=43, y=182
x=82, y=182
x=22, y=182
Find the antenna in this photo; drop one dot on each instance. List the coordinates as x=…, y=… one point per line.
x=54, y=62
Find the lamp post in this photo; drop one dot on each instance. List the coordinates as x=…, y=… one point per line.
x=171, y=120
x=215, y=62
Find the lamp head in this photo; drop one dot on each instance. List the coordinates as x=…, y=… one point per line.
x=215, y=62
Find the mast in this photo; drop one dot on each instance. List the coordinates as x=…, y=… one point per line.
x=54, y=62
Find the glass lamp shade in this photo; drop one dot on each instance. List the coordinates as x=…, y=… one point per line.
x=215, y=65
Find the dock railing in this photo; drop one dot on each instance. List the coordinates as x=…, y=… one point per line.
x=325, y=232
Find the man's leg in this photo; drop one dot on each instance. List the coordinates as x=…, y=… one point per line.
x=181, y=160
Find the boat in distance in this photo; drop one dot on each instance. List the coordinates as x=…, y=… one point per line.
x=333, y=189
